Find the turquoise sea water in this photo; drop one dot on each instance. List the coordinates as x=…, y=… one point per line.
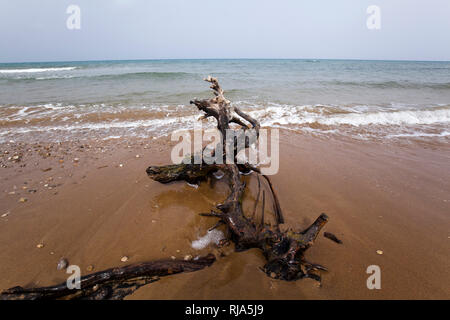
x=363, y=99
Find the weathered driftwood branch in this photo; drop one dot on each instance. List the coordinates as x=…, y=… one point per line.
x=113, y=284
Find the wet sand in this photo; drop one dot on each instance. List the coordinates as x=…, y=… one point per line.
x=96, y=204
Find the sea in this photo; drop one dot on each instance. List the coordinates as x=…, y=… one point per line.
x=363, y=100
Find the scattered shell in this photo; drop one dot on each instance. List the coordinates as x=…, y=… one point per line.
x=40, y=245
x=90, y=268
x=178, y=251
x=5, y=214
x=153, y=221
x=379, y=252
x=23, y=200
x=173, y=257
x=62, y=264
x=76, y=159
x=218, y=174
x=121, y=165
x=138, y=156
x=124, y=259
x=188, y=257
x=192, y=185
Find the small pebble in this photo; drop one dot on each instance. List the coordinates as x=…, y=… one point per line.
x=173, y=257
x=62, y=264
x=379, y=252
x=5, y=215
x=121, y=165
x=124, y=259
x=76, y=159
x=138, y=156
x=188, y=257
x=40, y=245
x=273, y=275
x=23, y=200
x=90, y=268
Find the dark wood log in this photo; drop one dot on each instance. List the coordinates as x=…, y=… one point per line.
x=113, y=284
x=332, y=237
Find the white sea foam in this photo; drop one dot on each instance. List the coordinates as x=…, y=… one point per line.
x=213, y=236
x=419, y=134
x=308, y=115
x=153, y=123
x=33, y=70
x=60, y=121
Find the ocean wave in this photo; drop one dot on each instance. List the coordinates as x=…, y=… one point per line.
x=144, y=75
x=59, y=121
x=390, y=84
x=344, y=116
x=119, y=76
x=34, y=70
x=419, y=135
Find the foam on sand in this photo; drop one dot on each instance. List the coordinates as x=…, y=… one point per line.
x=213, y=236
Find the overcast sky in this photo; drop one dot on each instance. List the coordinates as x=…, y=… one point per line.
x=33, y=30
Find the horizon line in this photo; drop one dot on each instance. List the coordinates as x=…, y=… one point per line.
x=174, y=59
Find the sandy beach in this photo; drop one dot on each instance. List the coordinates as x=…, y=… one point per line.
x=92, y=203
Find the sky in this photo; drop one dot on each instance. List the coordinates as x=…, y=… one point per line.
x=33, y=30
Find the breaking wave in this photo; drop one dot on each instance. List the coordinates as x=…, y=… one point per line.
x=34, y=70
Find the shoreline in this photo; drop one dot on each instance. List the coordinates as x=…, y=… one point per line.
x=93, y=211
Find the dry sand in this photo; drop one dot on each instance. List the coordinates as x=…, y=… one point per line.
x=93, y=211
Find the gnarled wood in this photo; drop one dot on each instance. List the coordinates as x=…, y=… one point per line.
x=113, y=284
x=284, y=250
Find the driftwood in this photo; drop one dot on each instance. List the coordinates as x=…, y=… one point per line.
x=332, y=237
x=112, y=284
x=283, y=250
